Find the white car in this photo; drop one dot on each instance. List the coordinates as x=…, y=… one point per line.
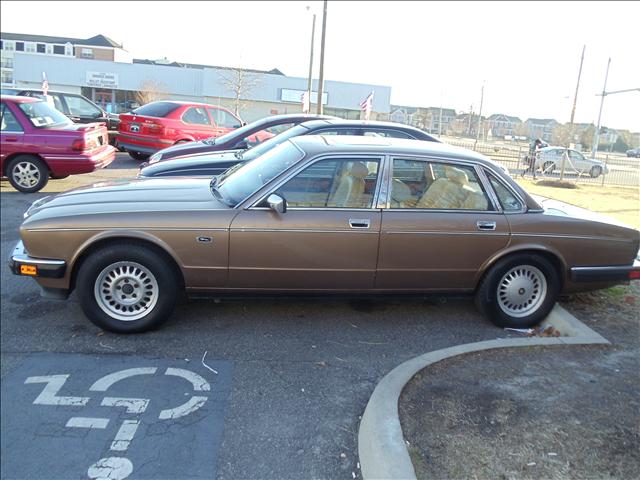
x=550, y=160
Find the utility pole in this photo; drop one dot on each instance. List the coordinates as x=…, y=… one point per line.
x=479, y=117
x=321, y=78
x=596, y=136
x=470, y=117
x=309, y=84
x=575, y=98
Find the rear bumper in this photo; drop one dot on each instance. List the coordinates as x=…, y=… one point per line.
x=142, y=144
x=62, y=165
x=606, y=273
x=44, y=267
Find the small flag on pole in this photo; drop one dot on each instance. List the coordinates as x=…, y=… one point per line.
x=366, y=105
x=45, y=84
x=305, y=102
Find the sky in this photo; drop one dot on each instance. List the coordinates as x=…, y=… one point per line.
x=526, y=54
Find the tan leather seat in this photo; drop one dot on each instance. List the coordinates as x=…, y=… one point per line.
x=446, y=192
x=401, y=195
x=475, y=201
x=350, y=190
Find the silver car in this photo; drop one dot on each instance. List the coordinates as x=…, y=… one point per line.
x=550, y=160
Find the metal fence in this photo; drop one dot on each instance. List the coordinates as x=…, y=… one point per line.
x=622, y=171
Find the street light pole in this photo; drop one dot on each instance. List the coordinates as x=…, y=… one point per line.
x=596, y=137
x=575, y=98
x=321, y=77
x=309, y=83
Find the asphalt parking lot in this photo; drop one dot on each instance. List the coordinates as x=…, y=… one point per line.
x=278, y=395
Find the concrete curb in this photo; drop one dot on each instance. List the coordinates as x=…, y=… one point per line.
x=381, y=446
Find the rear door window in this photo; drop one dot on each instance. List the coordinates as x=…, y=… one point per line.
x=222, y=118
x=196, y=116
x=8, y=121
x=156, y=109
x=82, y=108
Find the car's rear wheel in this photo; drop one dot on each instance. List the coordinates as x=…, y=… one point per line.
x=519, y=291
x=595, y=171
x=138, y=156
x=549, y=167
x=27, y=173
x=127, y=288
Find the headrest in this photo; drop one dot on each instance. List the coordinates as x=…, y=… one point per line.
x=400, y=191
x=358, y=170
x=456, y=175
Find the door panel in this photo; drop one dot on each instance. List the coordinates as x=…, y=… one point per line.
x=424, y=250
x=303, y=250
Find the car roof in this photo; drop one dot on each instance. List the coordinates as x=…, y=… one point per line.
x=397, y=146
x=304, y=117
x=339, y=122
x=19, y=99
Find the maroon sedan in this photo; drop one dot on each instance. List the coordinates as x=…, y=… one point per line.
x=39, y=142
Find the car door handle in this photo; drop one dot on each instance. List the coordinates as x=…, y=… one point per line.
x=486, y=225
x=359, y=222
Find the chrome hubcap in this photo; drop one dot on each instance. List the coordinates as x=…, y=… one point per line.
x=522, y=290
x=26, y=174
x=126, y=291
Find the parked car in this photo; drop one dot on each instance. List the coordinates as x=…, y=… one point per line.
x=319, y=215
x=550, y=159
x=634, y=152
x=39, y=142
x=79, y=109
x=158, y=125
x=242, y=138
x=216, y=163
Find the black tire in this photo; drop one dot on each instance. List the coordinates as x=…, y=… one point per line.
x=27, y=174
x=141, y=157
x=548, y=167
x=595, y=171
x=153, y=303
x=496, y=310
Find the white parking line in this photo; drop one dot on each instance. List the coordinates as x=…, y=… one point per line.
x=125, y=435
x=193, y=404
x=48, y=394
x=133, y=405
x=87, y=422
x=107, y=381
x=199, y=383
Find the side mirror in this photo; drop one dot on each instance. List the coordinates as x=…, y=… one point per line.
x=277, y=203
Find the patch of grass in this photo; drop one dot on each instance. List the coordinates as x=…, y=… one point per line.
x=621, y=203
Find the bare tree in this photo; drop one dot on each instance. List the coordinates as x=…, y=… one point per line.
x=240, y=83
x=150, y=91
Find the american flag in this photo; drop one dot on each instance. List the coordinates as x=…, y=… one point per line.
x=45, y=84
x=305, y=102
x=366, y=105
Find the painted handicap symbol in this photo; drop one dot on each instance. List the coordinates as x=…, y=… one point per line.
x=118, y=467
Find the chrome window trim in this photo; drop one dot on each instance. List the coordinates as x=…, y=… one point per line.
x=271, y=188
x=467, y=163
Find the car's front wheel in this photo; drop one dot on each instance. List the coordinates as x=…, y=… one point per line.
x=127, y=288
x=519, y=291
x=27, y=174
x=595, y=171
x=549, y=166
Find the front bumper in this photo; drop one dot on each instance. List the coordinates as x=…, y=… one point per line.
x=607, y=273
x=22, y=264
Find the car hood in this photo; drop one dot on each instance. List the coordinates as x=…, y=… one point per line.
x=144, y=195
x=189, y=148
x=151, y=169
x=555, y=207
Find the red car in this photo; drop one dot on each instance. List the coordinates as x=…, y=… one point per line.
x=39, y=142
x=158, y=125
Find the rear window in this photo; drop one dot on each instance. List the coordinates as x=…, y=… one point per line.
x=156, y=109
x=42, y=115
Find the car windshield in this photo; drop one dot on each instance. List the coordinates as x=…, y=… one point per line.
x=42, y=115
x=267, y=145
x=239, y=182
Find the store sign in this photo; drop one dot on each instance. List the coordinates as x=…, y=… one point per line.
x=295, y=96
x=102, y=79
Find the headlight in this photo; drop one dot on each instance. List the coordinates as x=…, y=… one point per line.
x=155, y=158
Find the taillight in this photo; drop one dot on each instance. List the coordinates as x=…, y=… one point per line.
x=154, y=127
x=634, y=275
x=82, y=144
x=78, y=145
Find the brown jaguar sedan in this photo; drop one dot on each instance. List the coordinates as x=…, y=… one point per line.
x=320, y=215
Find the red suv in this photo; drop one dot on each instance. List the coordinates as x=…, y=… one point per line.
x=158, y=125
x=37, y=142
